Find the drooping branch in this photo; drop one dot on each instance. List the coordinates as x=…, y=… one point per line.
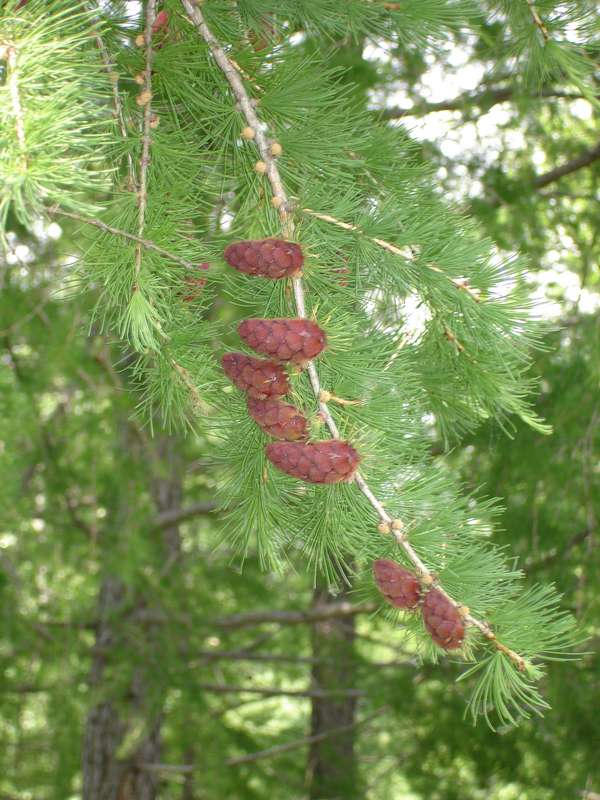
x=314, y=614
x=484, y=100
x=579, y=162
x=405, y=252
x=144, y=99
x=175, y=516
x=250, y=619
x=387, y=524
x=272, y=691
x=146, y=243
x=10, y=53
x=114, y=81
x=272, y=752
x=538, y=21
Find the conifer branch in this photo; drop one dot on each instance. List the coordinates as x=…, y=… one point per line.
x=147, y=243
x=539, y=22
x=280, y=200
x=10, y=53
x=271, y=752
x=145, y=99
x=114, y=82
x=484, y=100
x=405, y=252
x=175, y=516
x=218, y=688
x=579, y=162
x=186, y=379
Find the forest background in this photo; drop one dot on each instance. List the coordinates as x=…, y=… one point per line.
x=141, y=655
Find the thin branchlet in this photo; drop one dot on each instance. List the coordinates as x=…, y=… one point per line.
x=142, y=242
x=538, y=21
x=272, y=172
x=145, y=99
x=15, y=97
x=114, y=82
x=142, y=188
x=404, y=252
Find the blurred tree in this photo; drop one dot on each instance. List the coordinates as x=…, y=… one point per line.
x=137, y=662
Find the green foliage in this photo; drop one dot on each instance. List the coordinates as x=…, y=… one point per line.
x=433, y=335
x=55, y=122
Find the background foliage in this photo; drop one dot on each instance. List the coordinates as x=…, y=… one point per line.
x=107, y=543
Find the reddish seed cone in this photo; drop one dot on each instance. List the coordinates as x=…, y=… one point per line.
x=296, y=340
x=330, y=461
x=160, y=21
x=269, y=258
x=256, y=376
x=442, y=620
x=280, y=420
x=398, y=585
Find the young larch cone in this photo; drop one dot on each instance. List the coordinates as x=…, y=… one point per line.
x=161, y=21
x=257, y=377
x=195, y=284
x=442, y=620
x=269, y=258
x=398, y=585
x=296, y=340
x=330, y=461
x=278, y=419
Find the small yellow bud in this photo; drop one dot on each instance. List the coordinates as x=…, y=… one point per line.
x=140, y=78
x=248, y=133
x=276, y=202
x=397, y=525
x=154, y=121
x=143, y=98
x=384, y=527
x=324, y=396
x=464, y=611
x=260, y=167
x=276, y=149
x=426, y=580
x=140, y=40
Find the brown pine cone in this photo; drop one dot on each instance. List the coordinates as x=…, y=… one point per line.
x=398, y=585
x=330, y=461
x=257, y=377
x=442, y=620
x=269, y=258
x=296, y=340
x=280, y=420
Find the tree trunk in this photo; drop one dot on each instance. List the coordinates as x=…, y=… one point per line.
x=331, y=765
x=109, y=773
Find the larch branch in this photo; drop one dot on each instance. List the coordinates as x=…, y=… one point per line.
x=271, y=752
x=406, y=252
x=178, y=515
x=395, y=527
x=145, y=99
x=114, y=81
x=15, y=96
x=484, y=100
x=579, y=162
x=538, y=21
x=147, y=243
x=273, y=691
